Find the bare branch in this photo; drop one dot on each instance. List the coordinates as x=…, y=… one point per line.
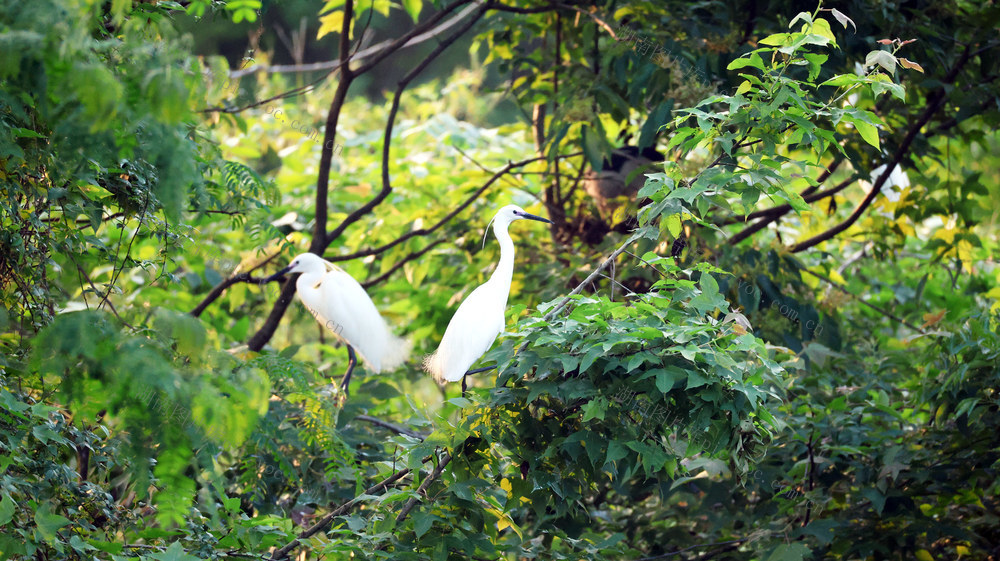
x=447, y=218
x=394, y=428
x=413, y=255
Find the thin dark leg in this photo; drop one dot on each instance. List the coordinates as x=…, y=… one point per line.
x=476, y=371
x=345, y=384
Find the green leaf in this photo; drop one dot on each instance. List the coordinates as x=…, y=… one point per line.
x=674, y=225
x=789, y=552
x=48, y=524
x=885, y=59
x=868, y=132
x=595, y=409
x=422, y=522
x=413, y=7
x=174, y=553
x=593, y=148
x=668, y=377
x=616, y=451
x=753, y=60
x=6, y=509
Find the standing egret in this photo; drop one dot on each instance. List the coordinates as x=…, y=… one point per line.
x=480, y=318
x=341, y=305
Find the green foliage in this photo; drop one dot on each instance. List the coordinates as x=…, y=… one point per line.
x=746, y=401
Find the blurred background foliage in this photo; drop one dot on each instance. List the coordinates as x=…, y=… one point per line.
x=786, y=356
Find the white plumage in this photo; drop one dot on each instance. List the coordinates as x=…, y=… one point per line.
x=480, y=318
x=341, y=305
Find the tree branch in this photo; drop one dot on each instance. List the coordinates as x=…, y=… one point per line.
x=447, y=218
x=423, y=488
x=939, y=98
x=772, y=214
x=413, y=255
x=319, y=243
x=339, y=511
x=394, y=428
x=387, y=141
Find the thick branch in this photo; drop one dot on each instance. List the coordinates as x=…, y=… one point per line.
x=264, y=334
x=387, y=141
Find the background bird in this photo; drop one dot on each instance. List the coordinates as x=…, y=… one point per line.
x=341, y=305
x=621, y=176
x=480, y=318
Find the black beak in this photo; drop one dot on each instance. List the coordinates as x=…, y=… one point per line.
x=277, y=275
x=533, y=217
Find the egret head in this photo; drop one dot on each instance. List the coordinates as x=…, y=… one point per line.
x=510, y=213
x=305, y=263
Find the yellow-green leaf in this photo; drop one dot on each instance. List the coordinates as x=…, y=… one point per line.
x=330, y=23
x=674, y=225
x=868, y=132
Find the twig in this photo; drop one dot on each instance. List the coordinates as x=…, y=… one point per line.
x=447, y=218
x=413, y=255
x=394, y=428
x=423, y=488
x=590, y=278
x=843, y=289
x=233, y=279
x=679, y=551
x=339, y=511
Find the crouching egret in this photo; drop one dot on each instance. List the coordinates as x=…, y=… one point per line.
x=341, y=305
x=480, y=318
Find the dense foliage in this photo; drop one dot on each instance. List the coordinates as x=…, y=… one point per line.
x=784, y=346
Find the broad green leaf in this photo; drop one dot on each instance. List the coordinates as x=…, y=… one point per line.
x=48, y=524
x=6, y=509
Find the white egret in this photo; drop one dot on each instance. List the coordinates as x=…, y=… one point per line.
x=480, y=318
x=341, y=305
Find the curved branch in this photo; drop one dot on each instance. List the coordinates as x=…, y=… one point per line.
x=339, y=511
x=423, y=488
x=413, y=255
x=939, y=98
x=387, y=141
x=394, y=428
x=447, y=218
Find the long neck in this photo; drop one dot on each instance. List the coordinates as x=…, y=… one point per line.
x=505, y=268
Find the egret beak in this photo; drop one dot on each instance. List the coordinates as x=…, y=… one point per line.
x=533, y=217
x=277, y=275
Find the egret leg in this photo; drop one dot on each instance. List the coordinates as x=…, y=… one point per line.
x=476, y=371
x=345, y=384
